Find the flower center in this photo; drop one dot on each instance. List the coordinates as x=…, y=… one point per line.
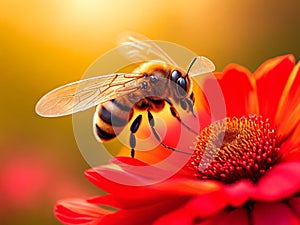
x=235, y=148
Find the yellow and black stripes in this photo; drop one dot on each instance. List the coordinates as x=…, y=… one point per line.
x=111, y=117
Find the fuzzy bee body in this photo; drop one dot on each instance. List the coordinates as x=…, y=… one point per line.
x=112, y=116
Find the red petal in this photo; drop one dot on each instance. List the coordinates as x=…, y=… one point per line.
x=238, y=216
x=117, y=189
x=175, y=219
x=273, y=214
x=198, y=207
x=293, y=154
x=201, y=103
x=215, y=107
x=121, y=177
x=143, y=215
x=238, y=90
x=294, y=140
x=291, y=146
x=290, y=150
x=206, y=205
x=160, y=192
x=239, y=192
x=130, y=201
x=271, y=78
x=125, y=174
x=98, y=177
x=78, y=211
x=282, y=181
x=188, y=186
x=123, y=196
x=121, y=160
x=289, y=107
x=295, y=205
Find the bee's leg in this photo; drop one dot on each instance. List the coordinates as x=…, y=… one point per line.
x=152, y=124
x=176, y=115
x=133, y=129
x=190, y=105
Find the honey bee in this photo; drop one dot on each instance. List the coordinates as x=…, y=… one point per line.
x=150, y=87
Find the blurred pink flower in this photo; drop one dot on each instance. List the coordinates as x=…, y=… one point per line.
x=253, y=179
x=29, y=178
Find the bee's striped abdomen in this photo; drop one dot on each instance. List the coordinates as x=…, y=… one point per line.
x=111, y=117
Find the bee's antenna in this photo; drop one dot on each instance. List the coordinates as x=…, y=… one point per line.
x=190, y=66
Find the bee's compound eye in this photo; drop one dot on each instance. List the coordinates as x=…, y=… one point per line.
x=153, y=79
x=175, y=75
x=182, y=86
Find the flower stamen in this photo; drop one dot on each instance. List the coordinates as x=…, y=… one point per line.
x=235, y=148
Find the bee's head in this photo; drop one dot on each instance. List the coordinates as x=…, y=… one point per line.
x=182, y=81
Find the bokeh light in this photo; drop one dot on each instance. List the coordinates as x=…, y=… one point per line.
x=44, y=44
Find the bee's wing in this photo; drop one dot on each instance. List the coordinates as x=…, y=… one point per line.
x=84, y=94
x=137, y=47
x=202, y=65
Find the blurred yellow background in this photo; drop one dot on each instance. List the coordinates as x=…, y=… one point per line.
x=44, y=44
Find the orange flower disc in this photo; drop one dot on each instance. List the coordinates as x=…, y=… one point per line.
x=235, y=148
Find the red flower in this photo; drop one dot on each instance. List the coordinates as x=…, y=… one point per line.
x=253, y=178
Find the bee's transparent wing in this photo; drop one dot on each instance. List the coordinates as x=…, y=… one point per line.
x=137, y=47
x=202, y=65
x=84, y=94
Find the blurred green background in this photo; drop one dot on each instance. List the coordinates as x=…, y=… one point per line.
x=44, y=44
